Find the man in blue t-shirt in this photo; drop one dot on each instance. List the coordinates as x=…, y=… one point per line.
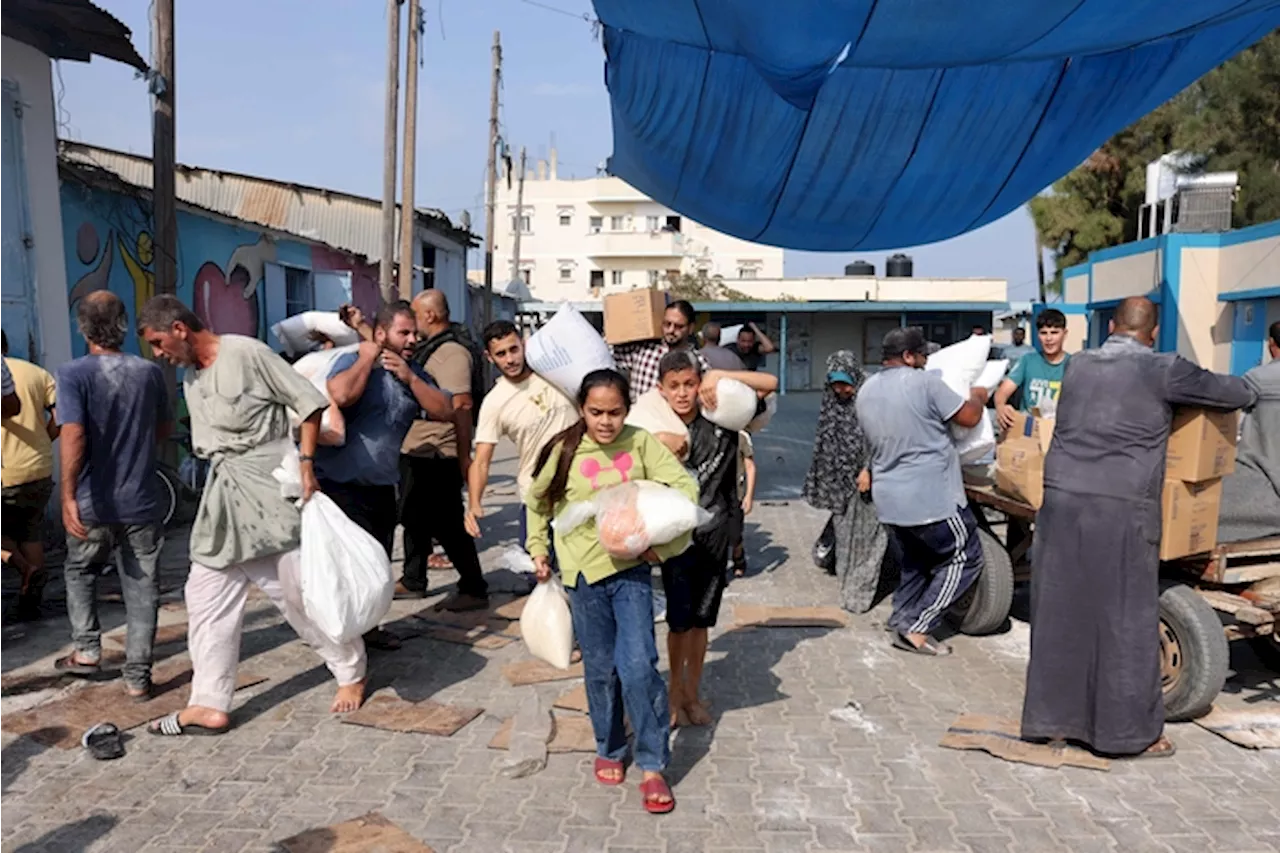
x=1038, y=375
x=113, y=409
x=381, y=391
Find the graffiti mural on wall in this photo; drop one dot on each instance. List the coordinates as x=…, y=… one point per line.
x=228, y=302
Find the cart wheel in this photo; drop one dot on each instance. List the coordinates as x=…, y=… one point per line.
x=984, y=608
x=1194, y=656
x=1267, y=649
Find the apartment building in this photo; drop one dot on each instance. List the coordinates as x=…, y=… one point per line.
x=582, y=238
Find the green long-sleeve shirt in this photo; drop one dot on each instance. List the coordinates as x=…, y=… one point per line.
x=634, y=455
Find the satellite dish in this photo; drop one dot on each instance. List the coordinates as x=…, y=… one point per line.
x=465, y=219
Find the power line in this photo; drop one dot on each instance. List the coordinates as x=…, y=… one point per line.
x=581, y=16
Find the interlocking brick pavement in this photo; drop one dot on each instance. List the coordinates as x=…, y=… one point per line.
x=776, y=774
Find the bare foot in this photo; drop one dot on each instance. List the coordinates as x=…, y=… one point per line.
x=698, y=714
x=348, y=698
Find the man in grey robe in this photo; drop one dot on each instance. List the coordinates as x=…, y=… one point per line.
x=1094, y=675
x=1251, y=495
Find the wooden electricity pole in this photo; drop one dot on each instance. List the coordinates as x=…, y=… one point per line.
x=1040, y=268
x=515, y=241
x=386, y=267
x=164, y=154
x=490, y=215
x=408, y=254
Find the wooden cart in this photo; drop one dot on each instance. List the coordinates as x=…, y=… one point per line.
x=1206, y=600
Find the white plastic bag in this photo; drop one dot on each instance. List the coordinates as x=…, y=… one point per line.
x=546, y=626
x=729, y=334
x=761, y=420
x=652, y=413
x=992, y=375
x=633, y=517
x=347, y=583
x=316, y=367
x=735, y=405
x=962, y=366
x=516, y=559
x=294, y=333
x=566, y=349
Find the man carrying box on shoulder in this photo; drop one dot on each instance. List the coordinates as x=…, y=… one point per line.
x=1094, y=674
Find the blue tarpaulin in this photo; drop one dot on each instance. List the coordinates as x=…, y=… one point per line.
x=875, y=124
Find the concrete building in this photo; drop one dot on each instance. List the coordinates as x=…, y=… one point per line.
x=251, y=251
x=582, y=238
x=1218, y=293
x=810, y=318
x=34, y=275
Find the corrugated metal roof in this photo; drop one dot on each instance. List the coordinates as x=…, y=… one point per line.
x=69, y=29
x=341, y=220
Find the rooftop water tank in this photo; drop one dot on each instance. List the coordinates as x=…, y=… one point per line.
x=898, y=266
x=860, y=268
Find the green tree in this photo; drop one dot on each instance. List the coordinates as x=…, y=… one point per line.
x=1229, y=120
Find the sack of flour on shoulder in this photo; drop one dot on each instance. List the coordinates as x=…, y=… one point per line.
x=566, y=349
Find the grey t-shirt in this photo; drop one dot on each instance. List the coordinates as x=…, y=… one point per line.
x=915, y=470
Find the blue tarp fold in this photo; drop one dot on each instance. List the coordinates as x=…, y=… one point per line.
x=875, y=124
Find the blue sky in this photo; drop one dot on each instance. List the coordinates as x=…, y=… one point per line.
x=294, y=90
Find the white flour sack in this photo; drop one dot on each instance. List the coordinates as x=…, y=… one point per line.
x=735, y=405
x=961, y=365
x=316, y=366
x=566, y=349
x=294, y=333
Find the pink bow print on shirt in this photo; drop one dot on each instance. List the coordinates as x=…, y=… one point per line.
x=592, y=469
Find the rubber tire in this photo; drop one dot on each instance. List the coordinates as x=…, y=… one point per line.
x=1206, y=655
x=985, y=606
x=1268, y=651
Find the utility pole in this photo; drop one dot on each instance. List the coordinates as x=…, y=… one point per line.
x=515, y=242
x=164, y=154
x=408, y=218
x=1040, y=267
x=490, y=214
x=386, y=278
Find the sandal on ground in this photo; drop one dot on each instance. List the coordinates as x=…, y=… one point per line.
x=74, y=665
x=103, y=742
x=439, y=563
x=603, y=765
x=382, y=640
x=930, y=647
x=654, y=791
x=171, y=727
x=1163, y=748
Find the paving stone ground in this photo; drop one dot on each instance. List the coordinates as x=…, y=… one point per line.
x=775, y=773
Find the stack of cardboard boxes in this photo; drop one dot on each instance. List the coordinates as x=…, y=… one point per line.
x=634, y=316
x=1202, y=450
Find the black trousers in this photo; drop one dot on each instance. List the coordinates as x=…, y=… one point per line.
x=431, y=508
x=372, y=508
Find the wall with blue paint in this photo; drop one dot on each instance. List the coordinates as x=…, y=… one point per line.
x=222, y=268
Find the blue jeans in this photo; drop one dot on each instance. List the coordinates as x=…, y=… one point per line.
x=139, y=546
x=613, y=621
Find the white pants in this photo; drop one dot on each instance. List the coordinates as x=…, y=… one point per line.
x=215, y=613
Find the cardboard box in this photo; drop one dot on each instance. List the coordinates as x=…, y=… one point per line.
x=1020, y=458
x=1202, y=445
x=1189, y=518
x=634, y=316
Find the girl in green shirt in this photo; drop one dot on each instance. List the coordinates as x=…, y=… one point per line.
x=611, y=598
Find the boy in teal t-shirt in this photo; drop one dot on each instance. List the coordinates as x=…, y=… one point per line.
x=1039, y=374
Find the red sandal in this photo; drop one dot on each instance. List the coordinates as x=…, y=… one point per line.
x=653, y=790
x=604, y=764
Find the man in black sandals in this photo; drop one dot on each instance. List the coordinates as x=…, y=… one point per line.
x=239, y=394
x=1094, y=675
x=915, y=481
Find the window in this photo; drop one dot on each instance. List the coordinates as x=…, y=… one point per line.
x=655, y=276
x=566, y=270
x=299, y=292
x=526, y=276
x=428, y=266
x=747, y=272
x=526, y=225
x=651, y=223
x=597, y=282
x=566, y=219
x=615, y=223
x=673, y=224
x=597, y=224
x=615, y=277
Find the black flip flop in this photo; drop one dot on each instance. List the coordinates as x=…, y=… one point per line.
x=70, y=665
x=103, y=742
x=170, y=727
x=930, y=648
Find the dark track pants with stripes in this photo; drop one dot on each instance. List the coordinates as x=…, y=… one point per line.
x=939, y=562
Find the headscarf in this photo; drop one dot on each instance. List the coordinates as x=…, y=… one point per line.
x=840, y=448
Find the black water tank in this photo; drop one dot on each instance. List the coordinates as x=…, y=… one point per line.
x=860, y=268
x=898, y=266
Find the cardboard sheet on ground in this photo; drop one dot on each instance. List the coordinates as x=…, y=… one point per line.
x=473, y=619
x=999, y=736
x=511, y=609
x=762, y=616
x=574, y=700
x=572, y=733
x=476, y=636
x=165, y=634
x=371, y=833
x=534, y=671
x=61, y=723
x=1255, y=728
x=393, y=714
